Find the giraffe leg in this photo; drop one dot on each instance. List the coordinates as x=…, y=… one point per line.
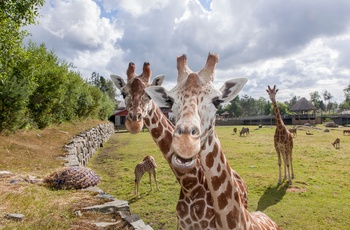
x=137, y=189
x=288, y=170
x=155, y=178
x=150, y=180
x=279, y=167
x=291, y=166
x=286, y=165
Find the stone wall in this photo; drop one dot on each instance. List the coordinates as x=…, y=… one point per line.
x=84, y=145
x=79, y=151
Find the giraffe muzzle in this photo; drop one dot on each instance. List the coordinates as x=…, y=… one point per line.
x=134, y=123
x=186, y=145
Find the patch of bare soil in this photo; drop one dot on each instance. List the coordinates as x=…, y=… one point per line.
x=296, y=190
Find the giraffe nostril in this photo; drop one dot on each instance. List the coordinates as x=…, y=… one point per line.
x=139, y=116
x=179, y=131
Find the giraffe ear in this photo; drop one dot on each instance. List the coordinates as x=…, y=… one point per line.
x=231, y=88
x=160, y=96
x=118, y=81
x=158, y=80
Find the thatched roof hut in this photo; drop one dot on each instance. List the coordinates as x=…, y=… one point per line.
x=303, y=105
x=302, y=111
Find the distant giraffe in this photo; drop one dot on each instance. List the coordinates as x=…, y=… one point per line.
x=283, y=141
x=149, y=165
x=336, y=143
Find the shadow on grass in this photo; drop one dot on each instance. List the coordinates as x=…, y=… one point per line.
x=272, y=196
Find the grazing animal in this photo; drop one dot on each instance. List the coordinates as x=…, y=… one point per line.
x=309, y=133
x=244, y=132
x=283, y=141
x=336, y=143
x=195, y=102
x=149, y=165
x=194, y=208
x=235, y=130
x=293, y=131
x=346, y=131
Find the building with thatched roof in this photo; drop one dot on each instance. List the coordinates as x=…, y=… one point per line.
x=304, y=112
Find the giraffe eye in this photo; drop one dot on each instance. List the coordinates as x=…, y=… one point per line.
x=217, y=102
x=124, y=95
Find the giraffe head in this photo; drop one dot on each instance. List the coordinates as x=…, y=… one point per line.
x=137, y=102
x=272, y=92
x=194, y=102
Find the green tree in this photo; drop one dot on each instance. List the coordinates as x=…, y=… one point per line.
x=315, y=98
x=249, y=106
x=327, y=97
x=346, y=104
x=14, y=14
x=283, y=108
x=235, y=107
x=106, y=86
x=292, y=101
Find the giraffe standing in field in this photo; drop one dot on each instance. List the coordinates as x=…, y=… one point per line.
x=149, y=165
x=283, y=141
x=194, y=209
x=195, y=102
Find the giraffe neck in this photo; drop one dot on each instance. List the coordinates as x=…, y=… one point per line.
x=230, y=209
x=228, y=204
x=161, y=130
x=278, y=117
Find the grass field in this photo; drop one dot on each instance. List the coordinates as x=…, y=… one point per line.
x=318, y=199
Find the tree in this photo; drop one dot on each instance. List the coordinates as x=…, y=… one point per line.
x=104, y=85
x=315, y=98
x=327, y=97
x=347, y=93
x=14, y=14
x=283, y=108
x=235, y=107
x=292, y=101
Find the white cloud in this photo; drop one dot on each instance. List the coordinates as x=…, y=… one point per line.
x=300, y=46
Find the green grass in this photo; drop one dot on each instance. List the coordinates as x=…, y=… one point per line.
x=318, y=199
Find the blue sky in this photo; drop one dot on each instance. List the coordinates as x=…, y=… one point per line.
x=299, y=46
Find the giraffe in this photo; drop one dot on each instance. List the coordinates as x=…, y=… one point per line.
x=149, y=165
x=194, y=103
x=283, y=141
x=194, y=209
